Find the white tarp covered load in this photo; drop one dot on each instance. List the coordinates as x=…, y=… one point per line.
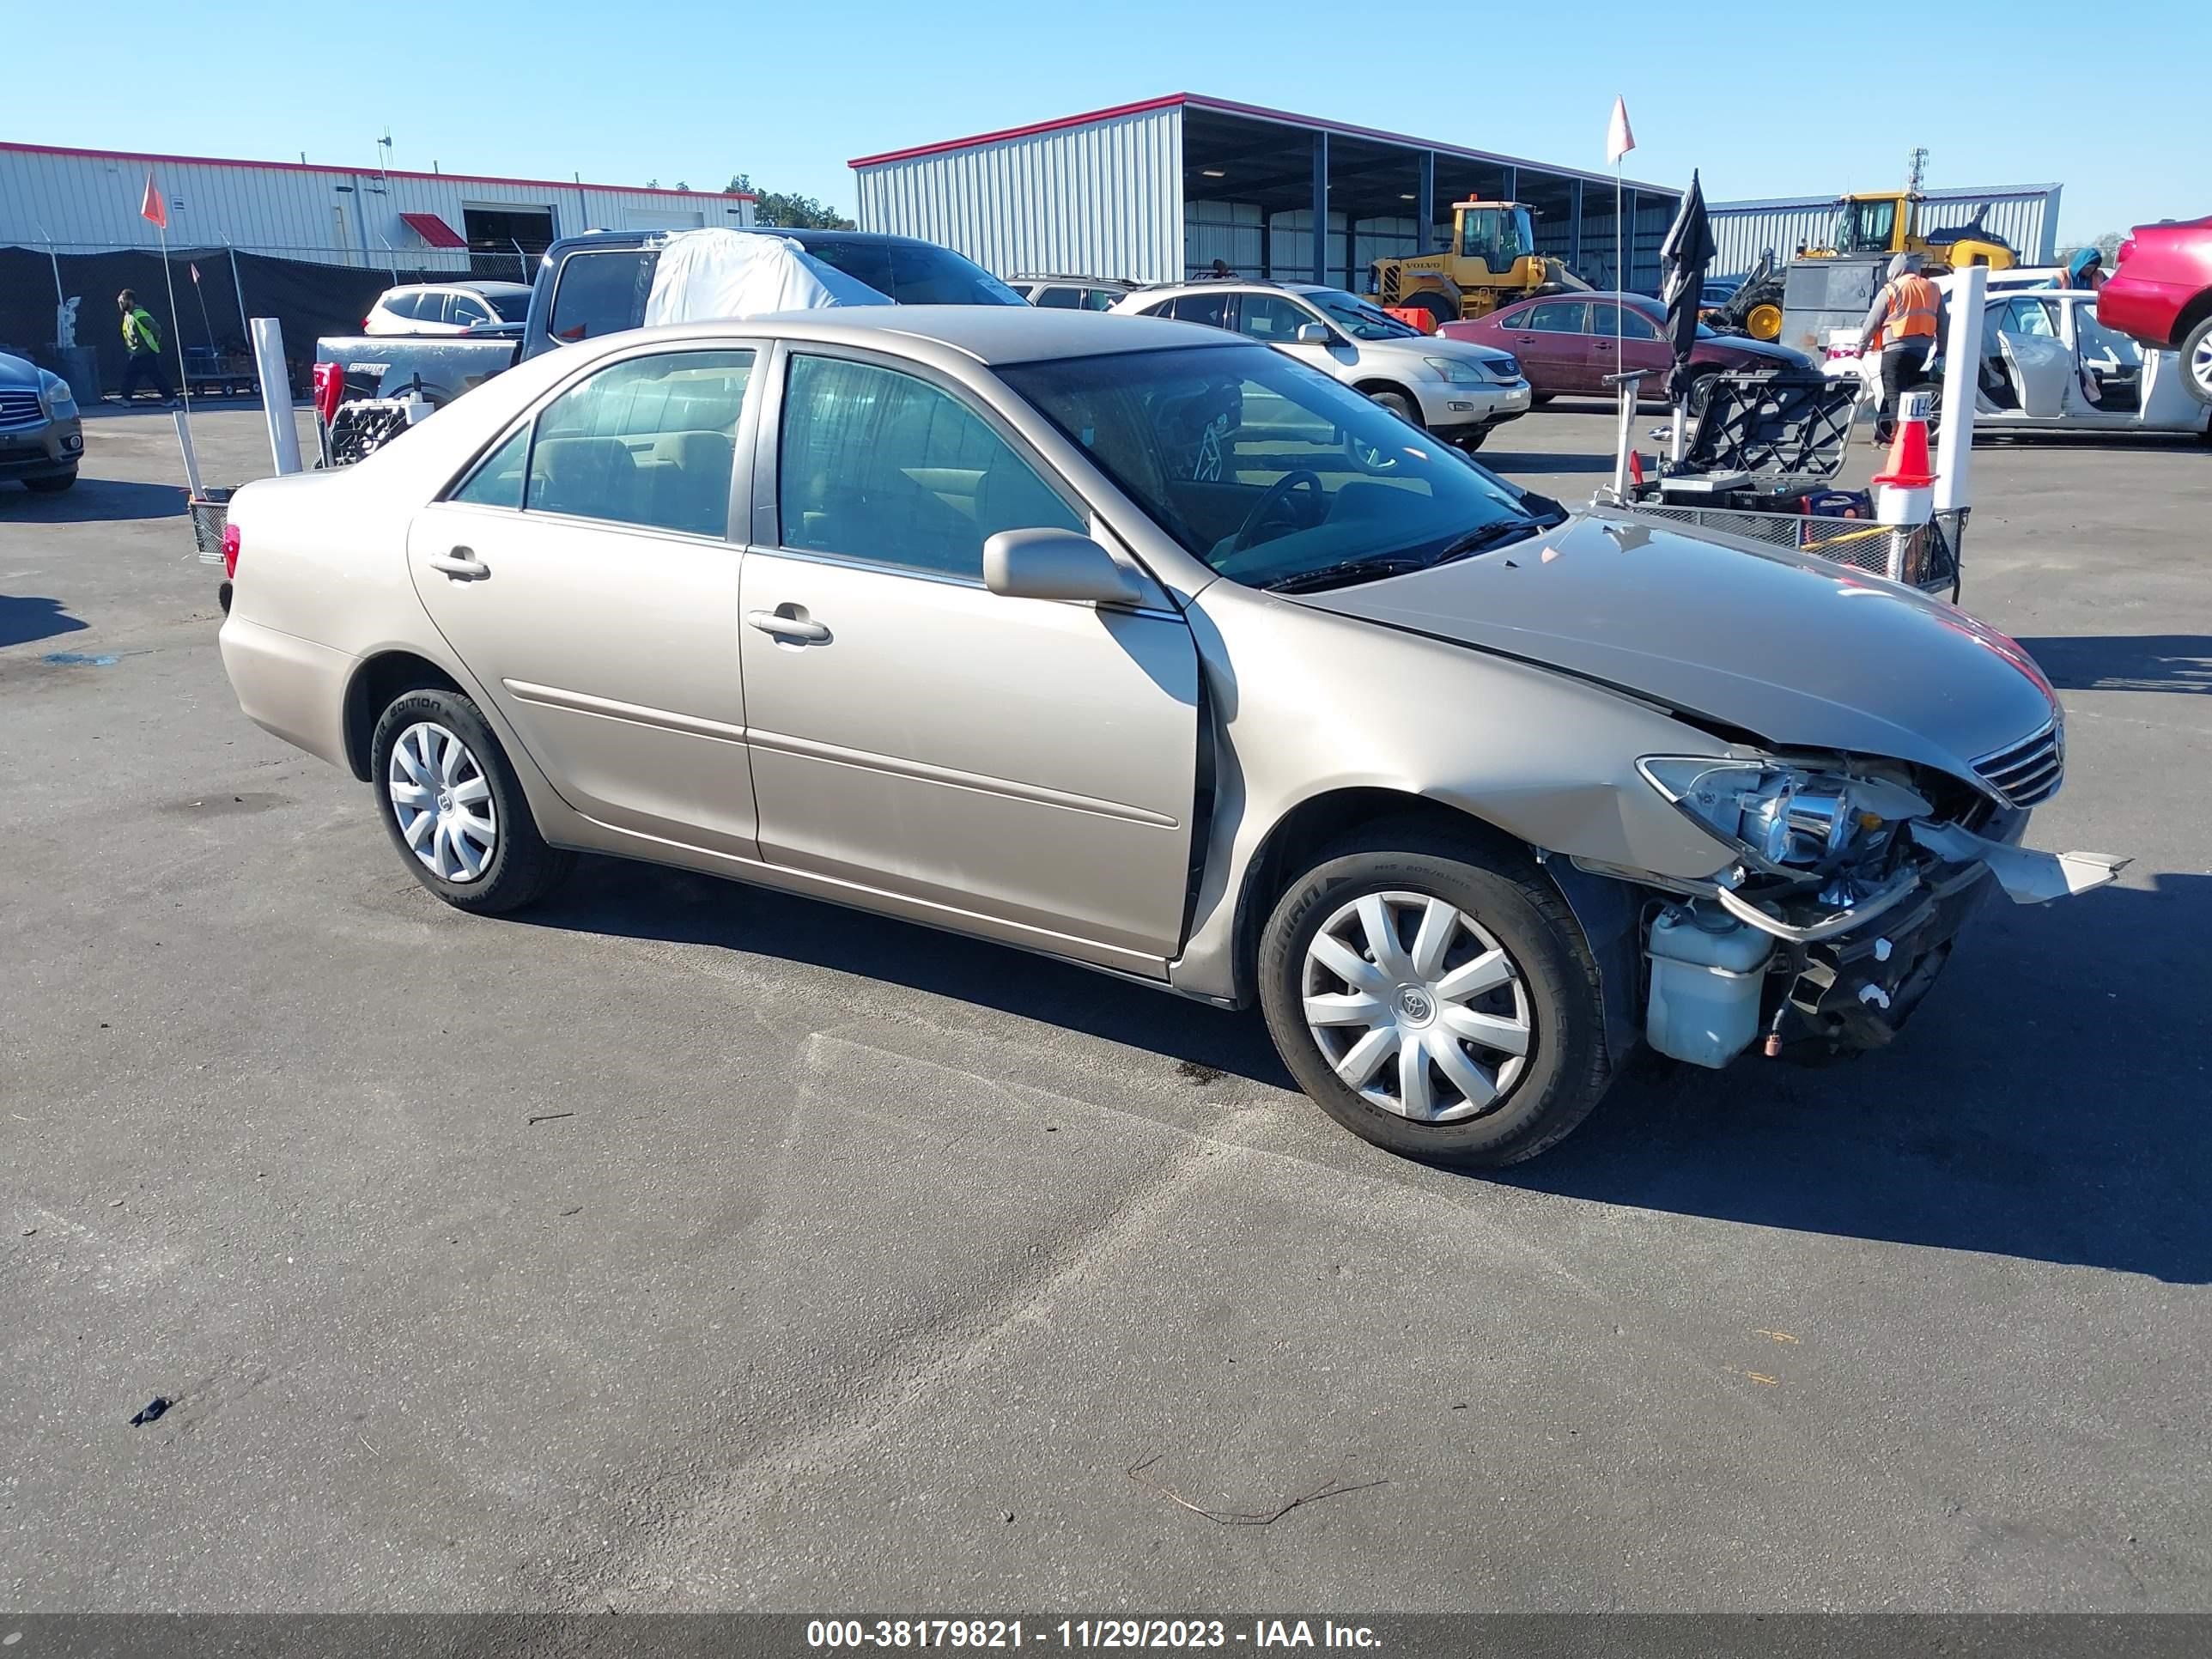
x=704, y=274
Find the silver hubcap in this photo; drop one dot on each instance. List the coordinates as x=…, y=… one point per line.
x=1416, y=1007
x=2200, y=365
x=442, y=801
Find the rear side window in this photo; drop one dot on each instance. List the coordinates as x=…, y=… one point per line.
x=1212, y=309
x=1059, y=298
x=879, y=466
x=1559, y=317
x=646, y=442
x=600, y=294
x=409, y=305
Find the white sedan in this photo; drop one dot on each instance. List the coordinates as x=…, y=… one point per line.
x=2047, y=364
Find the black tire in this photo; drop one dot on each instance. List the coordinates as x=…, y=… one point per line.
x=1472, y=438
x=2197, y=362
x=523, y=866
x=1400, y=405
x=1539, y=399
x=50, y=486
x=1566, y=1071
x=1437, y=306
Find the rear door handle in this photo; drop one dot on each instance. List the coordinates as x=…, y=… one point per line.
x=461, y=564
x=798, y=628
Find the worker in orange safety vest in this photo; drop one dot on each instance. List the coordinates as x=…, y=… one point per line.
x=1900, y=326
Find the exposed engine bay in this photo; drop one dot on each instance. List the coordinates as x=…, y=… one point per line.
x=1850, y=879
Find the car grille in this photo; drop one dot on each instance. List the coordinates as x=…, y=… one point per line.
x=2029, y=771
x=20, y=409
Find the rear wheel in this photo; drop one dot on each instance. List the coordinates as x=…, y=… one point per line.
x=454, y=809
x=2197, y=362
x=1434, y=995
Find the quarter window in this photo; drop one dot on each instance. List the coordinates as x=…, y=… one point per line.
x=649, y=441
x=879, y=466
x=498, y=481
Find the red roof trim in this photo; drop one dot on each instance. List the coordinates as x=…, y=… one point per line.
x=1257, y=112
x=1030, y=132
x=433, y=230
x=365, y=172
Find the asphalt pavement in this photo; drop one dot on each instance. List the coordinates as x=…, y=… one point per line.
x=683, y=1246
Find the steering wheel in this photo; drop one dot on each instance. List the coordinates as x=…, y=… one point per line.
x=1278, y=493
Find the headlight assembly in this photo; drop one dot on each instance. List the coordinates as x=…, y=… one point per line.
x=54, y=393
x=1459, y=371
x=1781, y=815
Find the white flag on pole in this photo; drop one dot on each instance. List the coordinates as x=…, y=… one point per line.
x=1618, y=138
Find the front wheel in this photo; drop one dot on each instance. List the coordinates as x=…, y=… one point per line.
x=455, y=810
x=1398, y=404
x=1473, y=438
x=51, y=486
x=1435, y=997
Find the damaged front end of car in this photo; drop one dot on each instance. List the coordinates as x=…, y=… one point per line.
x=1848, y=879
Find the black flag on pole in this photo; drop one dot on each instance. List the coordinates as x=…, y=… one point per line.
x=1683, y=257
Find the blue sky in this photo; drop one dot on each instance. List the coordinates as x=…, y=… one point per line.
x=2108, y=99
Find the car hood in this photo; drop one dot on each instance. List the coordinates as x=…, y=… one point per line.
x=1753, y=347
x=14, y=371
x=1437, y=345
x=1797, y=651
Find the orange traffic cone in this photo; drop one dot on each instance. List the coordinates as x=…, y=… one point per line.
x=1906, y=490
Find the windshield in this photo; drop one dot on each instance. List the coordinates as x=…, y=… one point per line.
x=1270, y=472
x=1865, y=227
x=510, y=308
x=1496, y=235
x=1357, y=318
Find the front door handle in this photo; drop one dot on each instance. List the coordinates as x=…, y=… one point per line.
x=461, y=564
x=789, y=623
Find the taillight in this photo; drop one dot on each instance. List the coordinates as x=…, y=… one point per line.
x=330, y=390
x=230, y=552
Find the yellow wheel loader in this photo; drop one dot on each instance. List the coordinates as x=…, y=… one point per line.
x=1492, y=261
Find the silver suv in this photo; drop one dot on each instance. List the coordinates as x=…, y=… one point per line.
x=1457, y=390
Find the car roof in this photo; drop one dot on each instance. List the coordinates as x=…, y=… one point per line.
x=993, y=334
x=468, y=283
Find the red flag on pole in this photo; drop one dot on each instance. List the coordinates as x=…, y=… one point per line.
x=1618, y=138
x=154, y=209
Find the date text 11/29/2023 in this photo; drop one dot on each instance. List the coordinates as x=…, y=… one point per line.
x=1086, y=1633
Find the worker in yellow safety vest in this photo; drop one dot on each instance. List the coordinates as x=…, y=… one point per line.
x=1900, y=328
x=144, y=347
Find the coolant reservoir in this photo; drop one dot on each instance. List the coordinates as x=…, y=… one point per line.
x=1706, y=971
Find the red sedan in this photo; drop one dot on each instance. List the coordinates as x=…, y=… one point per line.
x=1567, y=343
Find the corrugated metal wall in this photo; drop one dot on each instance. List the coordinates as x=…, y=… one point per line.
x=2026, y=215
x=86, y=203
x=1104, y=199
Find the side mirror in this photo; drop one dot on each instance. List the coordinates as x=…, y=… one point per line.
x=1316, y=334
x=1056, y=564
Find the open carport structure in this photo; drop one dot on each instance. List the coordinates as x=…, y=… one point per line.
x=1158, y=190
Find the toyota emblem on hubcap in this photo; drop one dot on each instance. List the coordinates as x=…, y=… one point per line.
x=1415, y=1004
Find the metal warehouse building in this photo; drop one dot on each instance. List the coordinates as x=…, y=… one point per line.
x=1158, y=190
x=2026, y=216
x=86, y=201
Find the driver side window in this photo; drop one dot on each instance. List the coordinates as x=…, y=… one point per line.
x=879, y=466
